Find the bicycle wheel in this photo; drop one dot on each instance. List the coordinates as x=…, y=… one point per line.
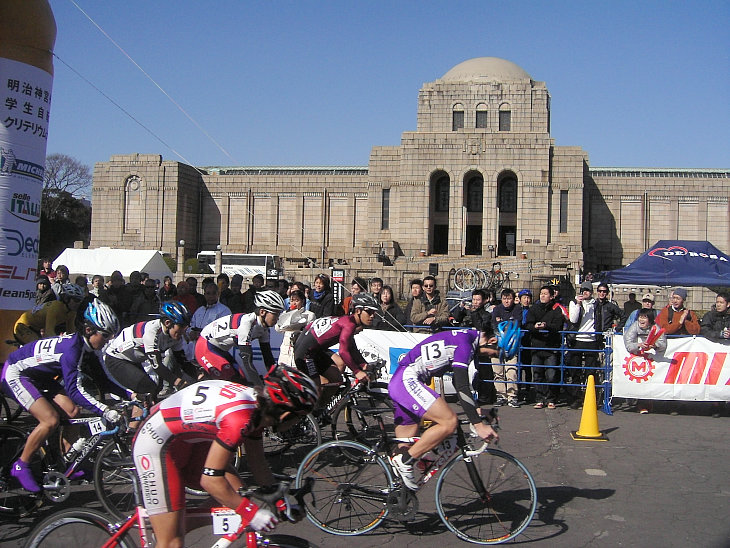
x=505, y=510
x=74, y=527
x=14, y=500
x=114, y=479
x=348, y=496
x=285, y=450
x=356, y=418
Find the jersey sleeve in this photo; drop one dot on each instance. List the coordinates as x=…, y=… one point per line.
x=77, y=384
x=348, y=349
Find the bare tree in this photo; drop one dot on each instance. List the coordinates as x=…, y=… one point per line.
x=66, y=174
x=64, y=177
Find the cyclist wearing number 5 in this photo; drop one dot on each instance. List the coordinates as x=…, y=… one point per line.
x=34, y=374
x=190, y=438
x=413, y=400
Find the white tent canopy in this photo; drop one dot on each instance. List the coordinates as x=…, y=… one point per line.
x=105, y=260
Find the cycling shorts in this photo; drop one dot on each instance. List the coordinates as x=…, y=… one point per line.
x=309, y=357
x=130, y=375
x=166, y=464
x=411, y=397
x=218, y=363
x=26, y=390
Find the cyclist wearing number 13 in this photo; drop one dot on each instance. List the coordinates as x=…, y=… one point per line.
x=190, y=438
x=413, y=400
x=311, y=351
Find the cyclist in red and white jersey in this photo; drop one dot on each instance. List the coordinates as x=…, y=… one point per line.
x=190, y=438
x=147, y=342
x=312, y=354
x=214, y=348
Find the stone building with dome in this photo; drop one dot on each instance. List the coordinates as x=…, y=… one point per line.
x=479, y=180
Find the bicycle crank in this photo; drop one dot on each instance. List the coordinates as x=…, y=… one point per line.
x=402, y=505
x=56, y=486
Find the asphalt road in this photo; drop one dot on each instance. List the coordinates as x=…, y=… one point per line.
x=660, y=480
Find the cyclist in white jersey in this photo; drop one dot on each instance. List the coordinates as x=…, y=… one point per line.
x=218, y=339
x=147, y=342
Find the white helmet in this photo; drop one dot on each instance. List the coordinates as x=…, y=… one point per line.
x=269, y=300
x=100, y=316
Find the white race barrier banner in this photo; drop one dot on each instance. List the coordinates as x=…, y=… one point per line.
x=691, y=368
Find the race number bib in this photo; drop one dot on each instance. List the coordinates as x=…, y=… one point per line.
x=322, y=325
x=433, y=355
x=225, y=521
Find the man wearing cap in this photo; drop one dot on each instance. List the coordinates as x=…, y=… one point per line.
x=647, y=303
x=675, y=319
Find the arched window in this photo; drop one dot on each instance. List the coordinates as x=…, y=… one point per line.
x=481, y=121
x=505, y=117
x=441, y=194
x=457, y=117
x=474, y=193
x=133, y=205
x=507, y=195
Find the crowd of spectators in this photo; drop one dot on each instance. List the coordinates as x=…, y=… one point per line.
x=586, y=319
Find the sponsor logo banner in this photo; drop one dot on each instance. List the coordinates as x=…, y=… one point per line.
x=25, y=103
x=691, y=368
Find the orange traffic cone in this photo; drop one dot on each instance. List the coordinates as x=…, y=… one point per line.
x=588, y=430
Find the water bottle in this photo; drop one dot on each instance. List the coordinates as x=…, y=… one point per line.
x=75, y=448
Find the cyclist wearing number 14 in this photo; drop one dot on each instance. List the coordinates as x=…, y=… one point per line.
x=33, y=375
x=413, y=400
x=190, y=439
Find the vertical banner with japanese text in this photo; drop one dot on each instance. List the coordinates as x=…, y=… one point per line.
x=25, y=102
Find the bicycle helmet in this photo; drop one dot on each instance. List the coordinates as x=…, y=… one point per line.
x=72, y=291
x=289, y=387
x=509, y=336
x=364, y=300
x=269, y=300
x=100, y=316
x=176, y=312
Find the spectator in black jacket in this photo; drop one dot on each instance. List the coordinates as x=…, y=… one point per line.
x=544, y=323
x=322, y=301
x=391, y=316
x=715, y=325
x=257, y=284
x=416, y=286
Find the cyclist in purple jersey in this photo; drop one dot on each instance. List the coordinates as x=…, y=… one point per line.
x=413, y=400
x=65, y=367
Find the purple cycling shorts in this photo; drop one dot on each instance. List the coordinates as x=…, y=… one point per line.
x=411, y=398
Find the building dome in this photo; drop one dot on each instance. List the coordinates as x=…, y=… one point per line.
x=487, y=69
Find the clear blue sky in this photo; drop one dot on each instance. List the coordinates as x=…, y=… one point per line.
x=320, y=83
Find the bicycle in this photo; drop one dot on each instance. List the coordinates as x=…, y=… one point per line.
x=344, y=416
x=90, y=528
x=56, y=468
x=483, y=495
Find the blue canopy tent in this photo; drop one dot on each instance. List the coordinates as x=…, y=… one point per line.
x=675, y=262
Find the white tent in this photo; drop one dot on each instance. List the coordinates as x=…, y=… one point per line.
x=105, y=260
